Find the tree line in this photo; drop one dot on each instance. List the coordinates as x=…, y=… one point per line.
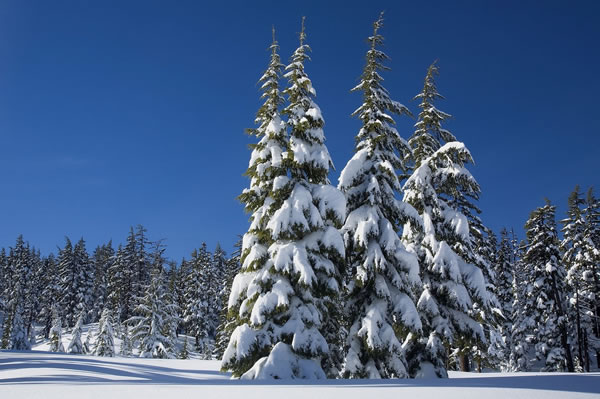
x=133, y=292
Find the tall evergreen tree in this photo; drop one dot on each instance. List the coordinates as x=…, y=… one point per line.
x=547, y=292
x=441, y=189
x=283, y=290
x=384, y=276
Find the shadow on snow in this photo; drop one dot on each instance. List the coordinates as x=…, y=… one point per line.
x=114, y=371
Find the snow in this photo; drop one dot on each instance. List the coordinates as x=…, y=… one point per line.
x=33, y=374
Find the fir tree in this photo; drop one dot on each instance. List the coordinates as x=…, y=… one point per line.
x=152, y=324
x=546, y=291
x=75, y=346
x=126, y=349
x=197, y=296
x=441, y=189
x=522, y=320
x=56, y=344
x=101, y=261
x=227, y=325
x=381, y=292
x=282, y=290
x=67, y=291
x=580, y=258
x=504, y=272
x=49, y=293
x=105, y=340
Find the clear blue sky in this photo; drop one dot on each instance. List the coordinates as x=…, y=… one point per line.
x=117, y=113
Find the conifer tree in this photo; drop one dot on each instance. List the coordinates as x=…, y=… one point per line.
x=75, y=346
x=152, y=324
x=101, y=261
x=441, y=189
x=546, y=297
x=504, y=272
x=56, y=344
x=522, y=320
x=197, y=296
x=289, y=273
x=49, y=293
x=384, y=276
x=67, y=274
x=105, y=340
x=227, y=325
x=591, y=238
x=580, y=258
x=87, y=344
x=126, y=344
x=184, y=352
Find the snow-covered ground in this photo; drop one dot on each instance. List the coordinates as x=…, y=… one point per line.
x=38, y=374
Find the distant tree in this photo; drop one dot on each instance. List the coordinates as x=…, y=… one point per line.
x=155, y=314
x=105, y=340
x=546, y=292
x=75, y=346
x=56, y=344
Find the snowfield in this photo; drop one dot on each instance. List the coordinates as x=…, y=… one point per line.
x=37, y=374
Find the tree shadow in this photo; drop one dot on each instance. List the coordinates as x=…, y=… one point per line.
x=121, y=371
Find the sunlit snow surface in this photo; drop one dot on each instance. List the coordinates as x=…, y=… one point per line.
x=48, y=375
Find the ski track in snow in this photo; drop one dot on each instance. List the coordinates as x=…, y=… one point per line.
x=47, y=375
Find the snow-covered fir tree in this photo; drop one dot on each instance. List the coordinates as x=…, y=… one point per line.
x=266, y=164
x=289, y=275
x=454, y=290
x=49, y=293
x=546, y=291
x=105, y=339
x=76, y=346
x=184, y=352
x=84, y=285
x=522, y=321
x=384, y=277
x=197, y=297
x=227, y=324
x=126, y=344
x=591, y=251
x=19, y=293
x=152, y=323
x=67, y=283
x=580, y=258
x=56, y=344
x=504, y=272
x=101, y=260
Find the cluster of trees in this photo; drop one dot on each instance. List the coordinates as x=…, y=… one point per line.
x=548, y=289
x=134, y=293
x=392, y=273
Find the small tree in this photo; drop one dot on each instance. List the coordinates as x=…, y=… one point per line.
x=56, y=344
x=105, y=341
x=75, y=346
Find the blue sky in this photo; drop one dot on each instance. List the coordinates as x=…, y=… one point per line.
x=119, y=113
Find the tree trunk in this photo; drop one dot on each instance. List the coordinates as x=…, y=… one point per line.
x=463, y=360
